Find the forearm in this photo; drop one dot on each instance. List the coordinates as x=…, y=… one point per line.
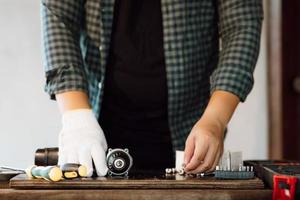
x=72, y=100
x=220, y=108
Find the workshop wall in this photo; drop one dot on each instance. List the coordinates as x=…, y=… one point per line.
x=28, y=119
x=248, y=129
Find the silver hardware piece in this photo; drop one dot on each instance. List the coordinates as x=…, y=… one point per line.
x=228, y=161
x=119, y=162
x=201, y=174
x=181, y=172
x=168, y=170
x=174, y=171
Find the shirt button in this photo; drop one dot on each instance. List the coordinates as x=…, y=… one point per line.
x=100, y=85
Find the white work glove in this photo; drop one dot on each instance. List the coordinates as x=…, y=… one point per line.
x=81, y=140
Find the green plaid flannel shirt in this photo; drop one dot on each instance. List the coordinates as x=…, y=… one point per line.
x=76, y=41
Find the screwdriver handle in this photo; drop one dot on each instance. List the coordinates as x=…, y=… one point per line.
x=73, y=170
x=50, y=173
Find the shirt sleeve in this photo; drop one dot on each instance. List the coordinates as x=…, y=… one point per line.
x=62, y=60
x=240, y=29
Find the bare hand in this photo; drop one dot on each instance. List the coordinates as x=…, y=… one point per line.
x=204, y=146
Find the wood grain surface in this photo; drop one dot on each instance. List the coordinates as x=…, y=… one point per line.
x=135, y=188
x=188, y=194
x=160, y=182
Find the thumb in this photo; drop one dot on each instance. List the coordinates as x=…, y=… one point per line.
x=189, y=150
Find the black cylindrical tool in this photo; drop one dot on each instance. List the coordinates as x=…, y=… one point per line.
x=46, y=156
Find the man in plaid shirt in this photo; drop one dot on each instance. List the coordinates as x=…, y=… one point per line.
x=204, y=53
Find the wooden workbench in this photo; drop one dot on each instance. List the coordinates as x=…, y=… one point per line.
x=157, y=187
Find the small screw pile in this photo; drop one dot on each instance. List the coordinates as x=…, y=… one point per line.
x=173, y=171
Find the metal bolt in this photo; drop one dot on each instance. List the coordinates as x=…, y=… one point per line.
x=168, y=170
x=181, y=172
x=174, y=170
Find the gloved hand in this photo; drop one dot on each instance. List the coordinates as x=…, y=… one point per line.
x=81, y=140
